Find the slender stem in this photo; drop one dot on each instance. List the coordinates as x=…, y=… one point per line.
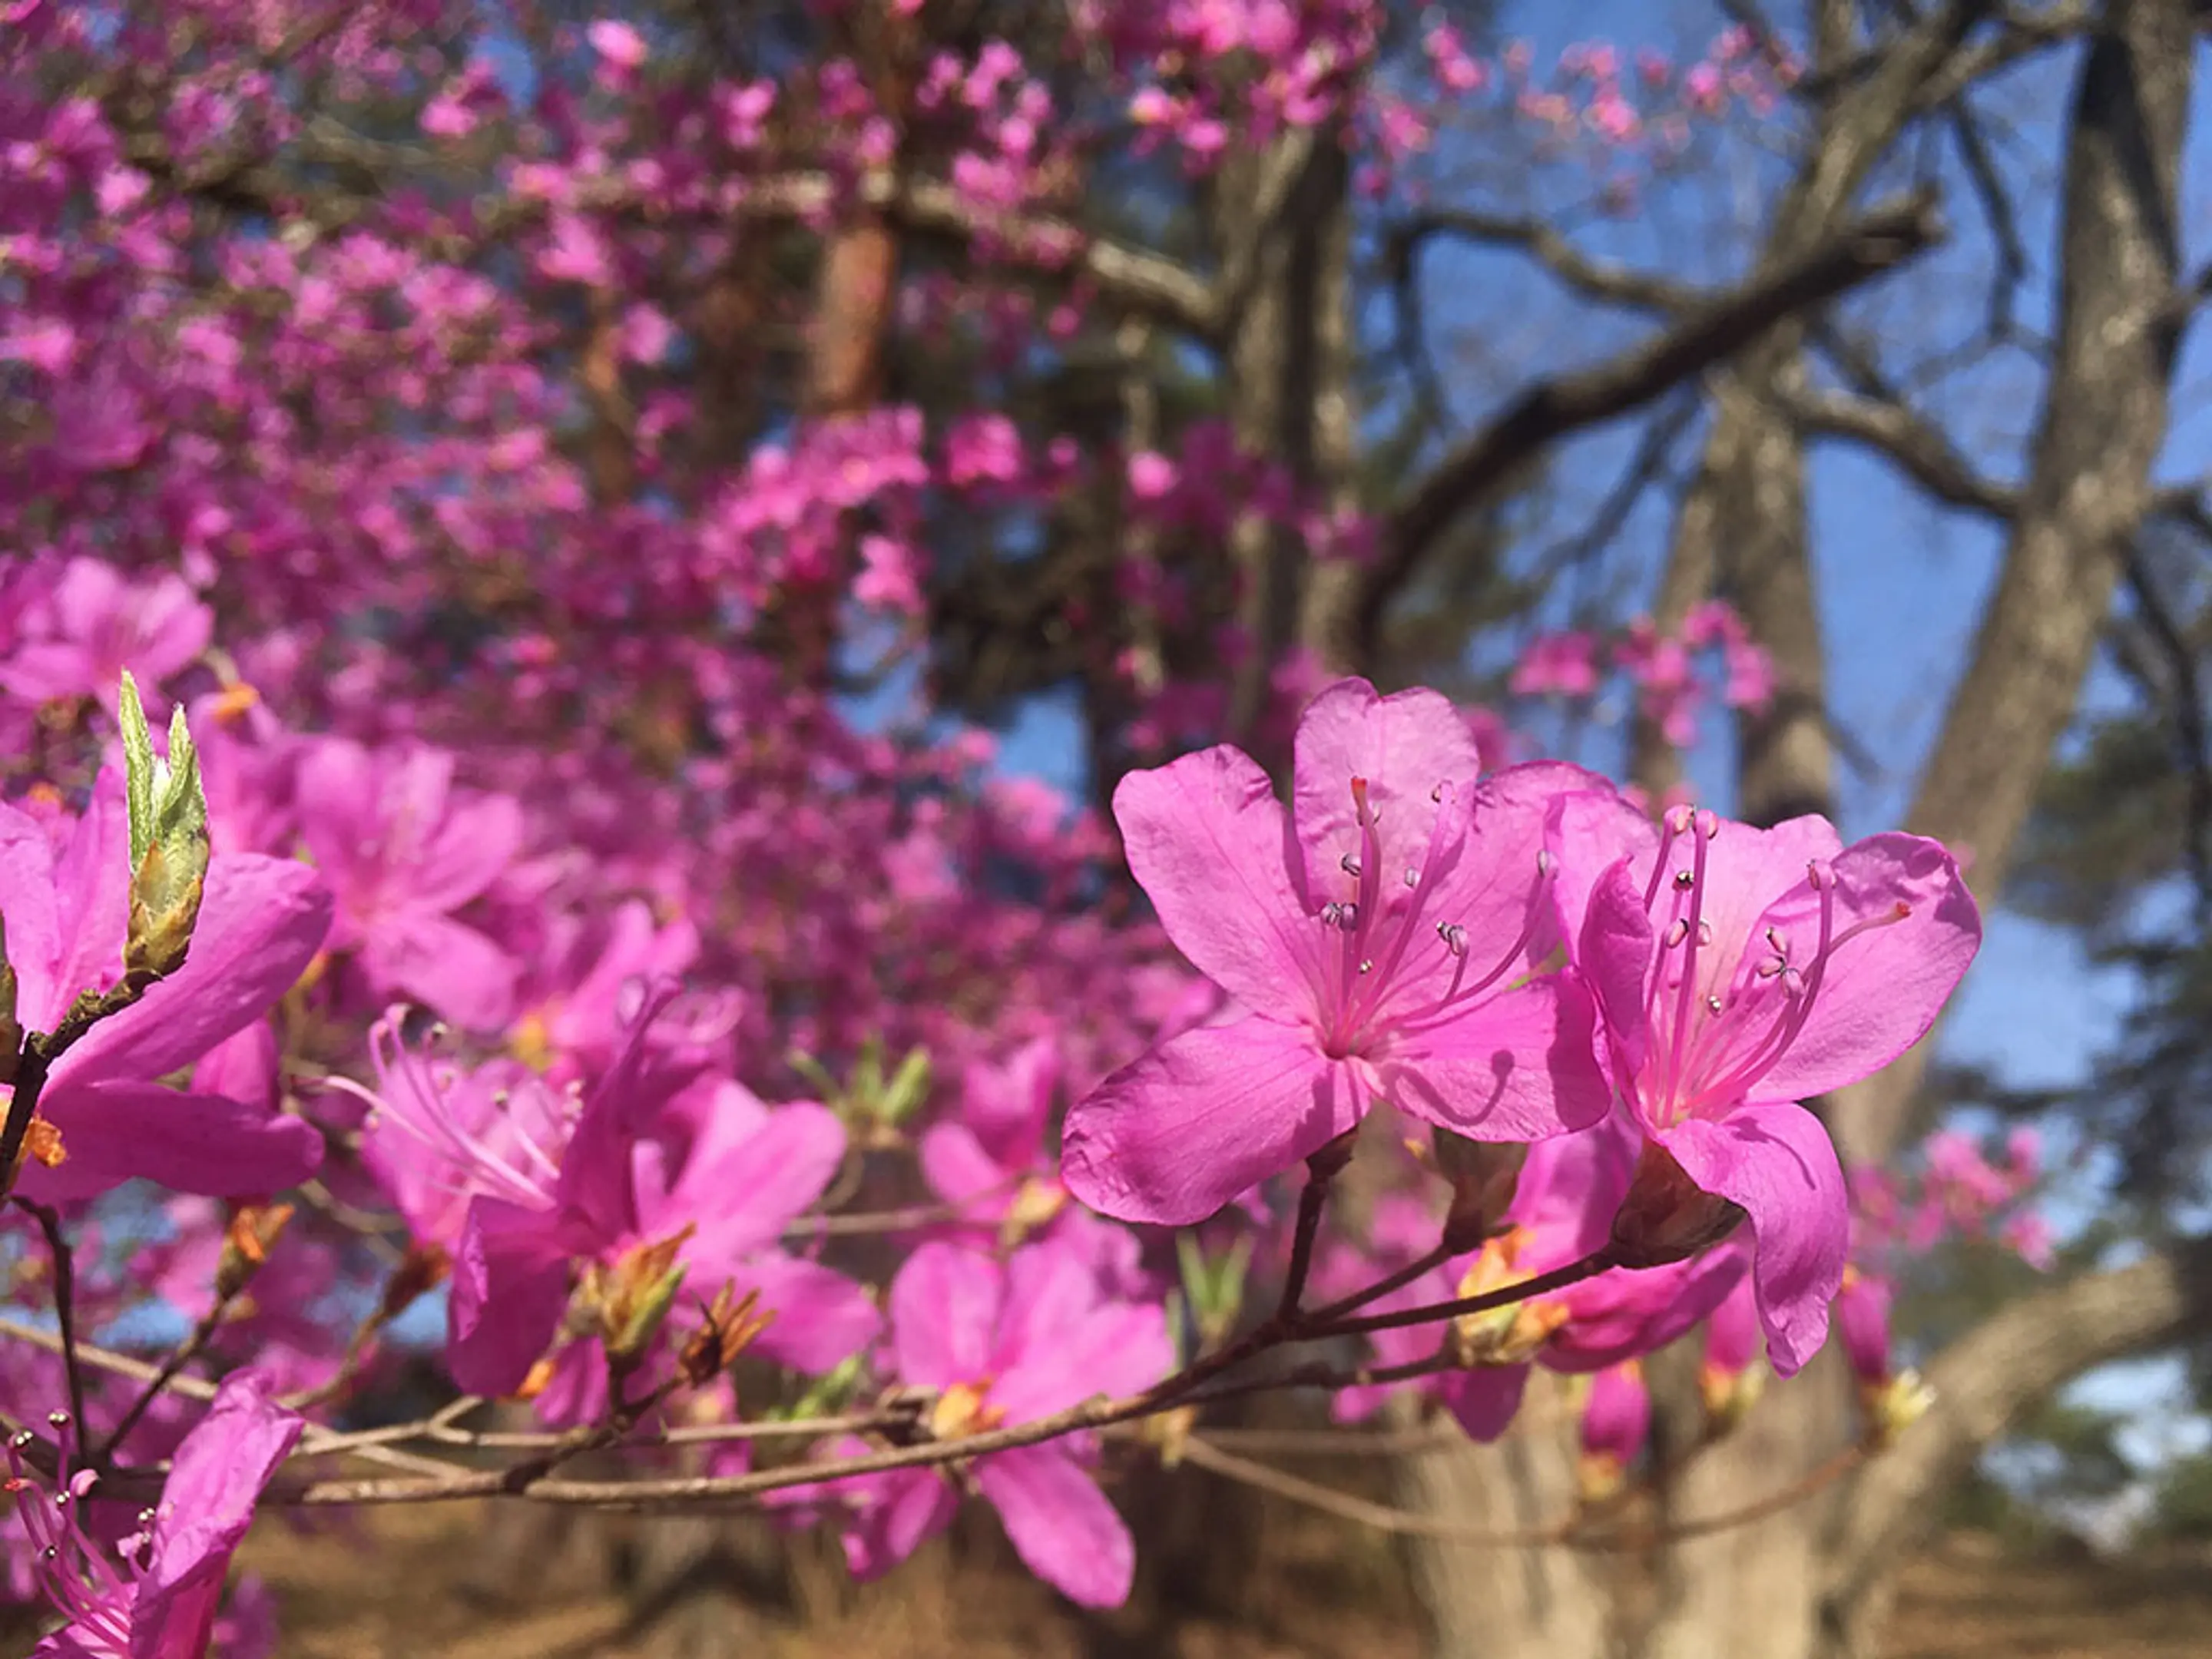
x=64, y=1261
x=179, y=1356
x=23, y=1106
x=1420, y=1267
x=1312, y=1197
x=1429, y=1313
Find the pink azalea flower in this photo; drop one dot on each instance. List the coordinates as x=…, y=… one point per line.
x=261, y=921
x=744, y=1179
x=1740, y=971
x=94, y=623
x=990, y=1159
x=159, y=1601
x=1004, y=1345
x=1379, y=938
x=404, y=849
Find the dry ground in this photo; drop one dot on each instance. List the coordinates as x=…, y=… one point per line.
x=426, y=1594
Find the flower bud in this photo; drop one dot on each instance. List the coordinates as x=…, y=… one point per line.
x=1484, y=1174
x=1666, y=1217
x=632, y=1299
x=1510, y=1336
x=169, y=846
x=1862, y=1319
x=1616, y=1419
x=1895, y=1406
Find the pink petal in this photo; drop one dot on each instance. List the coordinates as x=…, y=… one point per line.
x=242, y=1067
x=1405, y=747
x=959, y=1171
x=1188, y=1127
x=743, y=1192
x=207, y=1503
x=260, y=924
x=1621, y=1315
x=475, y=841
x=1776, y=1161
x=32, y=924
x=92, y=892
x=1587, y=833
x=1115, y=1350
x=1614, y=946
x=1569, y=1186
x=510, y=1287
x=1208, y=841
x=121, y=1130
x=1518, y=1066
x=1882, y=990
x=443, y=964
x=1485, y=1401
x=1051, y=1292
x=944, y=1312
x=904, y=1509
x=1061, y=1524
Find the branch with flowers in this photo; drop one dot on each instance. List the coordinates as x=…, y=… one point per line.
x=1603, y=1023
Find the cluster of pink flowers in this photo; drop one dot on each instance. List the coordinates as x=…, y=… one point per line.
x=1662, y=668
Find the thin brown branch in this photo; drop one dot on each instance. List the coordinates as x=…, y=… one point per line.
x=1579, y=1530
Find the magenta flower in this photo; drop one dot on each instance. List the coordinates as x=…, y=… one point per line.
x=1381, y=939
x=606, y=1200
x=159, y=1601
x=93, y=624
x=1004, y=1345
x=261, y=921
x=1863, y=1311
x=1740, y=971
x=991, y=1160
x=404, y=849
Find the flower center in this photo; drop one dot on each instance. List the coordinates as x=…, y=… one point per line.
x=1379, y=923
x=1708, y=1049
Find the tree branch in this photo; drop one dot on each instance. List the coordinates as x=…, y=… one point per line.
x=1988, y=1379
x=1860, y=250
x=1594, y=278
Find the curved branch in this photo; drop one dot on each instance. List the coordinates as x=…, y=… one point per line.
x=1988, y=1379
x=1860, y=250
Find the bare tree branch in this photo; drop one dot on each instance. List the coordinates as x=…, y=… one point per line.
x=1881, y=240
x=1594, y=278
x=1985, y=1382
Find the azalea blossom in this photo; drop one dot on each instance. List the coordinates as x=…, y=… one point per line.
x=160, y=1600
x=403, y=849
x=1001, y=1345
x=1740, y=971
x=607, y=1204
x=1379, y=941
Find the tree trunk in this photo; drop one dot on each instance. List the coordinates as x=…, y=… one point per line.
x=1486, y=1602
